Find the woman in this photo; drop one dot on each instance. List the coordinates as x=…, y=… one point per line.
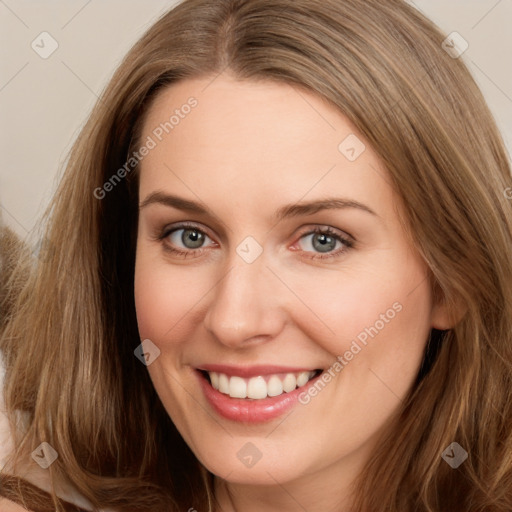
x=279, y=276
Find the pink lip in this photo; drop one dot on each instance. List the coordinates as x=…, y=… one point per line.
x=249, y=411
x=251, y=371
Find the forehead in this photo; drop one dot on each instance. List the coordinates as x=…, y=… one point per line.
x=242, y=139
x=244, y=113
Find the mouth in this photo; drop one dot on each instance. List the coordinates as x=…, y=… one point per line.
x=259, y=387
x=253, y=395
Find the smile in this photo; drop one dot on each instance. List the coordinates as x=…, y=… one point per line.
x=260, y=387
x=256, y=394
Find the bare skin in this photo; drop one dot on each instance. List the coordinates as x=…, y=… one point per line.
x=247, y=150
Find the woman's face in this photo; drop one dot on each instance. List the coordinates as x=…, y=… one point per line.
x=290, y=260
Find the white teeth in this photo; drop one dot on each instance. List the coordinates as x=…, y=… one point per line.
x=237, y=387
x=274, y=386
x=302, y=379
x=214, y=377
x=289, y=382
x=223, y=383
x=257, y=388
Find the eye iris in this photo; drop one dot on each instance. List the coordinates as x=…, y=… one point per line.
x=192, y=238
x=323, y=242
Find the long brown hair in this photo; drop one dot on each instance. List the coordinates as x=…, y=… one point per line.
x=69, y=348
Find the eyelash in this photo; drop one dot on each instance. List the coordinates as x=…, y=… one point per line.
x=347, y=243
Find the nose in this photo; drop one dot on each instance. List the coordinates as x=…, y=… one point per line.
x=246, y=306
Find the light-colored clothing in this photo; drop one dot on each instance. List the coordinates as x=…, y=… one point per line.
x=36, y=475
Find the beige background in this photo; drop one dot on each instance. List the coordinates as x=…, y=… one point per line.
x=44, y=102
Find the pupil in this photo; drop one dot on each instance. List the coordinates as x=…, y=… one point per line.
x=324, y=243
x=192, y=238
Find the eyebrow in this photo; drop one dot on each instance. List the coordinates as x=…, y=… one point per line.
x=288, y=211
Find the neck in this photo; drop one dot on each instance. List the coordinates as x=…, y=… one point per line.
x=329, y=490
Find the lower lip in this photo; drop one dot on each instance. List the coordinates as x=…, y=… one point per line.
x=245, y=410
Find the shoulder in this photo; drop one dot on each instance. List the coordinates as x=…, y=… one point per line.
x=31, y=478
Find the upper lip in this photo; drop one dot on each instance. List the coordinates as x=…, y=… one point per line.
x=253, y=371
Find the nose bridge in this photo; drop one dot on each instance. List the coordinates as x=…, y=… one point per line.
x=242, y=306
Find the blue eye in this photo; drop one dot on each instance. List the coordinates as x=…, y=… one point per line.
x=191, y=238
x=322, y=242
x=326, y=242
x=187, y=240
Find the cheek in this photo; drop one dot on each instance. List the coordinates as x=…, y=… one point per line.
x=388, y=300
x=162, y=296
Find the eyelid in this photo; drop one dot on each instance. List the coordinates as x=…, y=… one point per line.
x=323, y=228
x=162, y=233
x=167, y=230
x=346, y=239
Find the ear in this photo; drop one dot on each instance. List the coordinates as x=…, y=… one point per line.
x=446, y=314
